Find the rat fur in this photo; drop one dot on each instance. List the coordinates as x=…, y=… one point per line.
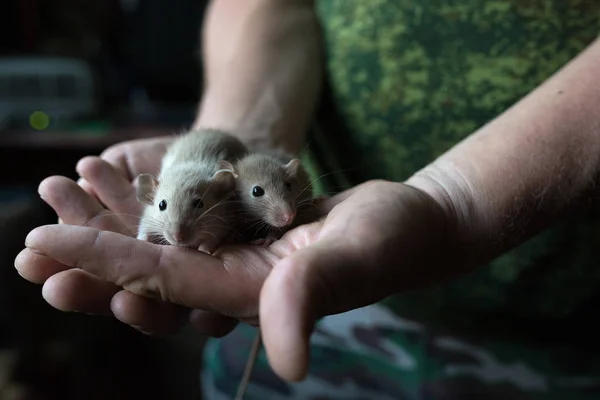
x=188, y=204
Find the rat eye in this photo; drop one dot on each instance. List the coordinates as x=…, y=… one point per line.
x=257, y=191
x=198, y=203
x=162, y=206
x=288, y=186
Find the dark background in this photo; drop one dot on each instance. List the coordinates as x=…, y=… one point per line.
x=145, y=60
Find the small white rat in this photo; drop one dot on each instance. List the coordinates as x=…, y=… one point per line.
x=188, y=204
x=271, y=187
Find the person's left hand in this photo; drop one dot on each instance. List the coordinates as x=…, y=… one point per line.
x=129, y=159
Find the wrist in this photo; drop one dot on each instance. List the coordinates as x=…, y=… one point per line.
x=453, y=202
x=262, y=72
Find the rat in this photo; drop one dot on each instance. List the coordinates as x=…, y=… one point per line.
x=271, y=186
x=274, y=190
x=188, y=203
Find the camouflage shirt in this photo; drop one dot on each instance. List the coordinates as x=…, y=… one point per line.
x=410, y=80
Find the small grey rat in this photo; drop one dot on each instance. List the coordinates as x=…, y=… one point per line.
x=271, y=186
x=188, y=204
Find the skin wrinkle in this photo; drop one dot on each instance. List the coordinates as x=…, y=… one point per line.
x=149, y=284
x=95, y=243
x=281, y=248
x=158, y=279
x=449, y=189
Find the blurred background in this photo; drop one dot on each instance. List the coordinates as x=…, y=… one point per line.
x=75, y=77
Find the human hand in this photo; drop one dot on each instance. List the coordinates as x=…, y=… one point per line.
x=130, y=158
x=113, y=206
x=377, y=239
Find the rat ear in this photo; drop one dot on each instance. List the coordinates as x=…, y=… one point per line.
x=145, y=187
x=292, y=166
x=225, y=181
x=226, y=165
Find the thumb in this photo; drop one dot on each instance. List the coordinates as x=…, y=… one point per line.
x=301, y=288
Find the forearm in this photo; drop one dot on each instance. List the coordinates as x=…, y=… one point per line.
x=262, y=69
x=517, y=174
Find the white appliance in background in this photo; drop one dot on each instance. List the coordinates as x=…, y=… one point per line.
x=59, y=87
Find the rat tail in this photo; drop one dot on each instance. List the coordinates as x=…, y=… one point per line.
x=249, y=367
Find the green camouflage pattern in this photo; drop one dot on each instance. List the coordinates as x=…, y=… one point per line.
x=372, y=353
x=411, y=79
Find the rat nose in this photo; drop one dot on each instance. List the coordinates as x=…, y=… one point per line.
x=179, y=236
x=288, y=216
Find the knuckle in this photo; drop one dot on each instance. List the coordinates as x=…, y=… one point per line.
x=152, y=280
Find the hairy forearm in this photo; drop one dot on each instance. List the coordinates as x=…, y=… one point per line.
x=535, y=162
x=262, y=69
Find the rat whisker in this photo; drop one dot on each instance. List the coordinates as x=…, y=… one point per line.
x=258, y=229
x=271, y=204
x=308, y=143
x=210, y=233
x=208, y=188
x=258, y=222
x=200, y=218
x=212, y=223
x=152, y=222
x=217, y=204
x=306, y=205
x=309, y=200
x=110, y=214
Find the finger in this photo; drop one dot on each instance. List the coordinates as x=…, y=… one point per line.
x=74, y=206
x=77, y=290
x=325, y=203
x=116, y=156
x=37, y=268
x=139, y=155
x=183, y=276
x=148, y=315
x=212, y=324
x=70, y=202
x=89, y=189
x=72, y=291
x=112, y=187
x=295, y=294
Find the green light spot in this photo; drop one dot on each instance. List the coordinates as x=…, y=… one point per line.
x=39, y=120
